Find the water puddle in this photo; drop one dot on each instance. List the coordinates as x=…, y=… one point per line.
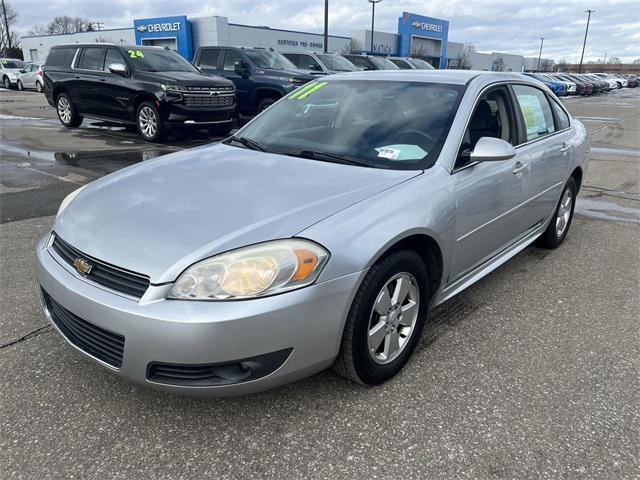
x=603, y=210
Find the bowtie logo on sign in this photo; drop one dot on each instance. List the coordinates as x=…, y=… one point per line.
x=432, y=27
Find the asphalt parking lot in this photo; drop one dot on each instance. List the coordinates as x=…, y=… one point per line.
x=534, y=372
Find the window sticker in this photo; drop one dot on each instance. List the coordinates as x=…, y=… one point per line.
x=135, y=54
x=306, y=90
x=4, y=62
x=533, y=115
x=401, y=151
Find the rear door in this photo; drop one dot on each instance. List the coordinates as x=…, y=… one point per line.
x=547, y=143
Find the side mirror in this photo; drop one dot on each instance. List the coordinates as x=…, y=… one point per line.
x=118, y=68
x=240, y=68
x=489, y=149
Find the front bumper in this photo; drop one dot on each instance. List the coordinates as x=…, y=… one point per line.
x=307, y=322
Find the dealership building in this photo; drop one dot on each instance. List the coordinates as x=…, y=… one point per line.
x=416, y=35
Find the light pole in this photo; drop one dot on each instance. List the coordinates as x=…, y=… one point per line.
x=604, y=62
x=540, y=54
x=585, y=39
x=373, y=16
x=326, y=26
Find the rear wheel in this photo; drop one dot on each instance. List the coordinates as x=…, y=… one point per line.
x=386, y=319
x=38, y=87
x=558, y=228
x=150, y=124
x=67, y=113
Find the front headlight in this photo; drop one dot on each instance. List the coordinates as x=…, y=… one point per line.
x=68, y=199
x=255, y=271
x=169, y=87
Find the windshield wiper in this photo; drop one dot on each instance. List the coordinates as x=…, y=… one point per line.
x=330, y=157
x=246, y=142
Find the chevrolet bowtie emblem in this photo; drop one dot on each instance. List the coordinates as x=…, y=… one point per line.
x=82, y=266
x=213, y=94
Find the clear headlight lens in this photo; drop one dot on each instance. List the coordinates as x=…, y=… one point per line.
x=169, y=87
x=68, y=199
x=254, y=271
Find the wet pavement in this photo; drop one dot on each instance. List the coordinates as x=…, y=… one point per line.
x=531, y=373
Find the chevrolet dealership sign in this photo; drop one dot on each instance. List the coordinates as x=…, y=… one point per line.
x=431, y=27
x=159, y=27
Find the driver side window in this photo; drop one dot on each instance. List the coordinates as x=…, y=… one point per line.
x=492, y=117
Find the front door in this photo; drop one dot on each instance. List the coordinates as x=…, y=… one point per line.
x=489, y=195
x=116, y=95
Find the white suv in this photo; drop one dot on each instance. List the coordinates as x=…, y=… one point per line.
x=9, y=71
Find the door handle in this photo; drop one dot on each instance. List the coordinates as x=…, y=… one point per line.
x=103, y=79
x=519, y=168
x=565, y=147
x=78, y=77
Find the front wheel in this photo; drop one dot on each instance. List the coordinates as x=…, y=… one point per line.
x=264, y=104
x=558, y=228
x=385, y=320
x=150, y=124
x=7, y=83
x=20, y=86
x=67, y=113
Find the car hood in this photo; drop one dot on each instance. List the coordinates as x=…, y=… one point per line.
x=192, y=79
x=161, y=216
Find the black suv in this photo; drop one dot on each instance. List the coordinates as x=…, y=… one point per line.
x=261, y=75
x=150, y=88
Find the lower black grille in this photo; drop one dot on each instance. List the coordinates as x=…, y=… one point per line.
x=213, y=374
x=98, y=342
x=117, y=279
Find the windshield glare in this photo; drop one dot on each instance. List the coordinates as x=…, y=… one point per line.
x=12, y=63
x=384, y=63
x=268, y=59
x=337, y=63
x=159, y=61
x=382, y=124
x=421, y=64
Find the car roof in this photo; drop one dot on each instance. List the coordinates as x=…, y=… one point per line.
x=456, y=77
x=105, y=44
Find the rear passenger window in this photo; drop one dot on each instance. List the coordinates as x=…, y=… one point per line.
x=209, y=58
x=536, y=111
x=562, y=119
x=60, y=57
x=92, y=59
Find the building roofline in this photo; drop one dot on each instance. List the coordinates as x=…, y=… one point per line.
x=283, y=30
x=75, y=33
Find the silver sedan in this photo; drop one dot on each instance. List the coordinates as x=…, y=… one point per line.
x=319, y=235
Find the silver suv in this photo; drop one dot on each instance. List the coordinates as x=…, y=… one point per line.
x=9, y=71
x=320, y=63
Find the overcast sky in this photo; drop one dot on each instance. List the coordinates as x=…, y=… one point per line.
x=504, y=26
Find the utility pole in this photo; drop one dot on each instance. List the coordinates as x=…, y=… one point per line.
x=373, y=16
x=585, y=38
x=326, y=26
x=6, y=26
x=540, y=54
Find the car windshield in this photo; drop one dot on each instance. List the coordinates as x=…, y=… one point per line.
x=337, y=63
x=157, y=60
x=384, y=63
x=381, y=124
x=263, y=58
x=420, y=64
x=7, y=63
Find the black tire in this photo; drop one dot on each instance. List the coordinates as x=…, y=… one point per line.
x=220, y=130
x=38, y=87
x=354, y=360
x=74, y=119
x=264, y=104
x=551, y=238
x=6, y=82
x=20, y=86
x=143, y=115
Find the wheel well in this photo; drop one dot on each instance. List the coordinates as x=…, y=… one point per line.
x=428, y=249
x=264, y=94
x=139, y=99
x=577, y=176
x=57, y=91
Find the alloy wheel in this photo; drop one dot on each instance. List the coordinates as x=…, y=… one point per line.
x=148, y=122
x=564, y=212
x=64, y=110
x=7, y=83
x=393, y=318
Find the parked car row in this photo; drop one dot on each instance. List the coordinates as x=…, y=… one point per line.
x=586, y=83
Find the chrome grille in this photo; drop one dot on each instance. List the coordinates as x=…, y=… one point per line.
x=193, y=100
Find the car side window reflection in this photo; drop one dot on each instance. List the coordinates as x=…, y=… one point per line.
x=536, y=111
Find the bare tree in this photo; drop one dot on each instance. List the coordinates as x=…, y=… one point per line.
x=499, y=64
x=615, y=60
x=9, y=40
x=61, y=25
x=561, y=66
x=463, y=60
x=636, y=61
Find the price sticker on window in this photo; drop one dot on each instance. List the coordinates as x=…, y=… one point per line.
x=135, y=54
